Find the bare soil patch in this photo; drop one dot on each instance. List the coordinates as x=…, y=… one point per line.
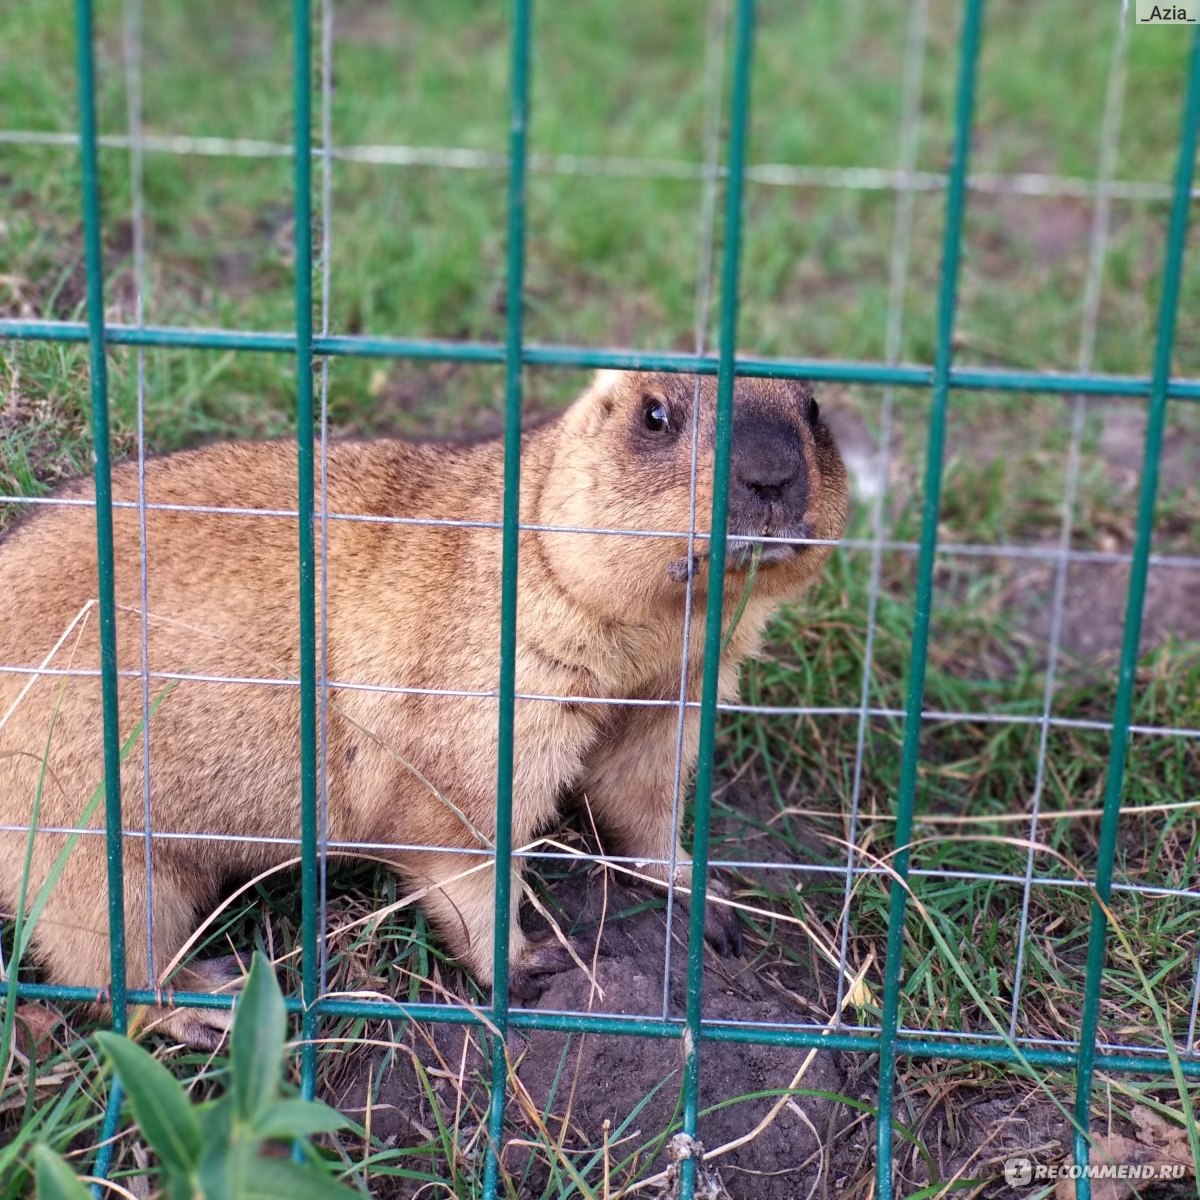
x=589, y=1090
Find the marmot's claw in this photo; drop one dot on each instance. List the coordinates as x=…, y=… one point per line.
x=543, y=958
x=201, y=1028
x=525, y=988
x=722, y=929
x=225, y=974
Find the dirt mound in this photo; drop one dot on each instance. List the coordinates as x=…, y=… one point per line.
x=609, y=1104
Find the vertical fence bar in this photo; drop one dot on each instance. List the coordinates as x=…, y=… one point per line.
x=104, y=530
x=323, y=643
x=1139, y=568
x=714, y=72
x=133, y=89
x=902, y=228
x=722, y=447
x=94, y=260
x=515, y=288
x=935, y=444
x=302, y=163
x=1110, y=133
x=108, y=1135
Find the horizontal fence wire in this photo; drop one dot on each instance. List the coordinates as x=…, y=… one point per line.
x=534, y=355
x=891, y=1039
x=539, y=854
x=931, y=715
x=1140, y=1060
x=793, y=175
x=887, y=545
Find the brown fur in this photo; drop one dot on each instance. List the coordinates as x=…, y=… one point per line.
x=415, y=606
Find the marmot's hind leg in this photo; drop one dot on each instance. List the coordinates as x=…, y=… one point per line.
x=628, y=787
x=75, y=948
x=461, y=904
x=203, y=1028
x=175, y=909
x=70, y=939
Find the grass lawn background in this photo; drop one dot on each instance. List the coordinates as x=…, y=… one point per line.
x=419, y=251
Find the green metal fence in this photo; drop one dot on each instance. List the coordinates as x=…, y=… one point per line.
x=942, y=378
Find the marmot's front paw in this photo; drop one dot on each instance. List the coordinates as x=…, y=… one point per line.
x=201, y=1028
x=722, y=928
x=542, y=958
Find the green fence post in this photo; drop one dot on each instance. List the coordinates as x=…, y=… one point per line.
x=934, y=449
x=1123, y=709
x=98, y=362
x=515, y=288
x=723, y=443
x=103, y=476
x=309, y=879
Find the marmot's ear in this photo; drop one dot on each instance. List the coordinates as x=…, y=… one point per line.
x=608, y=380
x=599, y=401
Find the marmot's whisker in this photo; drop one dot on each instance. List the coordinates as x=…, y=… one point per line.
x=687, y=567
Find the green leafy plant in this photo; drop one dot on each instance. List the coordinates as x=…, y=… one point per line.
x=214, y=1150
x=55, y=1179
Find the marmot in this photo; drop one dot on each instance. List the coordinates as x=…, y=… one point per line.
x=410, y=606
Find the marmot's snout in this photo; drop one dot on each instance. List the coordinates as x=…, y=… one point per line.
x=769, y=485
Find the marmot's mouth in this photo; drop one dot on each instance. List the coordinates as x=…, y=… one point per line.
x=739, y=552
x=741, y=545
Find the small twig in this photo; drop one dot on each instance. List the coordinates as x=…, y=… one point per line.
x=751, y=575
x=776, y=1108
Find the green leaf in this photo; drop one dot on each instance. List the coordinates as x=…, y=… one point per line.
x=55, y=1179
x=272, y=1178
x=217, y=1173
x=159, y=1102
x=256, y=1044
x=216, y=1121
x=298, y=1118
x=236, y=1172
x=181, y=1187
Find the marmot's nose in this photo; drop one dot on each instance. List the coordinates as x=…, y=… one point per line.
x=768, y=460
x=769, y=481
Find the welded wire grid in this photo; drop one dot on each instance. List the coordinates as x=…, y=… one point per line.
x=890, y=1039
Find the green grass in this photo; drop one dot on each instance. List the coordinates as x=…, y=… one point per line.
x=419, y=251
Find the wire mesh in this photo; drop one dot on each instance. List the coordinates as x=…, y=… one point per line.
x=313, y=350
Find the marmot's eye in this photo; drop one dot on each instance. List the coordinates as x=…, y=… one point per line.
x=814, y=411
x=656, y=416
